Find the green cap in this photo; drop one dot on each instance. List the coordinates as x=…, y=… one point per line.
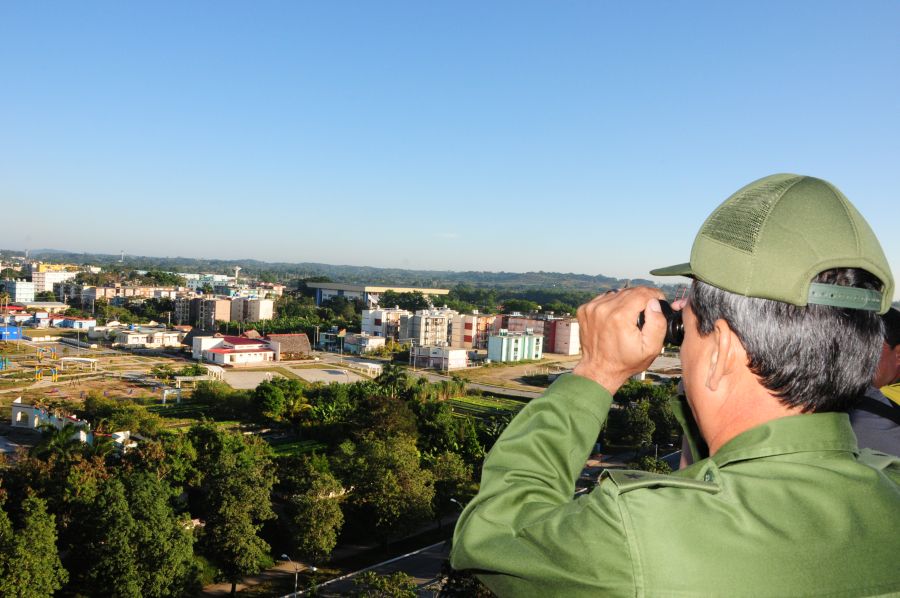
x=772, y=237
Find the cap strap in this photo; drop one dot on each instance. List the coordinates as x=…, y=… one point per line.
x=838, y=296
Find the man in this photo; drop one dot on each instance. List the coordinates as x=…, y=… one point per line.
x=781, y=331
x=876, y=419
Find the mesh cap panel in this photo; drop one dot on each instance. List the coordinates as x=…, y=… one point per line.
x=738, y=222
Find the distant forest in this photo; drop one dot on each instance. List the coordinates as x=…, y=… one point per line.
x=287, y=272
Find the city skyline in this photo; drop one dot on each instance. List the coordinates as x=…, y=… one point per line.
x=514, y=137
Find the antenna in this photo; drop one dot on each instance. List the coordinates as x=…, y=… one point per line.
x=236, y=270
x=122, y=259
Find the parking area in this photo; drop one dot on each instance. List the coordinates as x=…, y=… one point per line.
x=328, y=375
x=247, y=380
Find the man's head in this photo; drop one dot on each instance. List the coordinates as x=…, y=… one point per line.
x=788, y=267
x=888, y=370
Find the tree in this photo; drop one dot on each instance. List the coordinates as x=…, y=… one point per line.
x=105, y=559
x=29, y=562
x=638, y=423
x=452, y=480
x=269, y=400
x=395, y=585
x=62, y=442
x=236, y=498
x=165, y=566
x=315, y=512
x=413, y=301
x=520, y=305
x=392, y=494
x=652, y=464
x=392, y=380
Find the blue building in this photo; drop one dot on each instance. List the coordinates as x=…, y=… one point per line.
x=10, y=333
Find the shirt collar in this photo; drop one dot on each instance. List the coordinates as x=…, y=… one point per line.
x=793, y=434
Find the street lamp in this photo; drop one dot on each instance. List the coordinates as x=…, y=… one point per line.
x=296, y=570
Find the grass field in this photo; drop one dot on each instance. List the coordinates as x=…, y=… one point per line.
x=485, y=406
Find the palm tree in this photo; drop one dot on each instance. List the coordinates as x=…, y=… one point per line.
x=63, y=442
x=392, y=380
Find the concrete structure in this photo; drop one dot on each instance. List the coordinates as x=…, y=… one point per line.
x=20, y=291
x=515, y=346
x=212, y=311
x=72, y=322
x=566, y=337
x=383, y=321
x=44, y=281
x=440, y=358
x=148, y=338
x=427, y=327
x=232, y=350
x=46, y=307
x=362, y=343
x=251, y=310
x=368, y=294
x=32, y=418
x=471, y=331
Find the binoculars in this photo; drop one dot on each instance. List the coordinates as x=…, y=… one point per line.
x=674, y=324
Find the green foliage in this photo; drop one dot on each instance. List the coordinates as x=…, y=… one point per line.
x=165, y=564
x=373, y=585
x=114, y=414
x=315, y=512
x=29, y=563
x=392, y=493
x=392, y=380
x=413, y=301
x=652, y=464
x=639, y=424
x=452, y=480
x=238, y=476
x=524, y=306
x=106, y=557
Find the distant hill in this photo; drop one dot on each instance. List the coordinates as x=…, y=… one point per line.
x=286, y=272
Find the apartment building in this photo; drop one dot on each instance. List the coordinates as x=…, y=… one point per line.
x=44, y=281
x=383, y=321
x=368, y=294
x=515, y=346
x=471, y=331
x=251, y=310
x=20, y=291
x=427, y=327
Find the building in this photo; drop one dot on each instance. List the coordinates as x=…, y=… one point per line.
x=148, y=338
x=251, y=310
x=72, y=322
x=515, y=346
x=213, y=310
x=20, y=291
x=566, y=337
x=383, y=321
x=289, y=346
x=427, y=327
x=42, y=268
x=362, y=343
x=439, y=358
x=368, y=294
x=112, y=294
x=232, y=350
x=471, y=331
x=44, y=281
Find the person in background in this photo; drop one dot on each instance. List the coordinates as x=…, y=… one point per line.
x=876, y=418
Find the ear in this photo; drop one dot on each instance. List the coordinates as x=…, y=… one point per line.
x=720, y=357
x=896, y=352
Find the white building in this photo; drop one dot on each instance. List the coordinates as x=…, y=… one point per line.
x=148, y=338
x=20, y=291
x=44, y=281
x=515, y=346
x=440, y=358
x=383, y=321
x=232, y=350
x=362, y=343
x=427, y=327
x=566, y=339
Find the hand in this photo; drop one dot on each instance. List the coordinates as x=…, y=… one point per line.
x=613, y=348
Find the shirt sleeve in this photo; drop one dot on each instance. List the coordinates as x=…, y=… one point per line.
x=524, y=534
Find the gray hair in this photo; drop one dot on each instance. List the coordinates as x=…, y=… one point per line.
x=817, y=358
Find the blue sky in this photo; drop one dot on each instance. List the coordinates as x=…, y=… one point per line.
x=589, y=137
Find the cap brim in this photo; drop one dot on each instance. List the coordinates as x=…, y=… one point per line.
x=677, y=270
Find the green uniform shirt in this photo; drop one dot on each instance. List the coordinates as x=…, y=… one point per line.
x=788, y=508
